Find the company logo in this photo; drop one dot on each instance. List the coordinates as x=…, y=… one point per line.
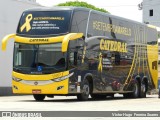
x=6, y=114
x=27, y=23
x=36, y=83
x=21, y=114
x=113, y=46
x=38, y=40
x=101, y=26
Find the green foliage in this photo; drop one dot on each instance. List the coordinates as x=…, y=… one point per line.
x=82, y=4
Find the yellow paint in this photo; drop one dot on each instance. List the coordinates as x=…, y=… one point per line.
x=64, y=39
x=152, y=53
x=45, y=40
x=5, y=40
x=84, y=53
x=152, y=26
x=39, y=77
x=100, y=63
x=45, y=89
x=130, y=74
x=27, y=23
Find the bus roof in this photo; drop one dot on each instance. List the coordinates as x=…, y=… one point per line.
x=59, y=8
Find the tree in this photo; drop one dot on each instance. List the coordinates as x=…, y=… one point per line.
x=82, y=4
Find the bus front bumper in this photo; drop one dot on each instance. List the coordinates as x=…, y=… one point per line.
x=40, y=87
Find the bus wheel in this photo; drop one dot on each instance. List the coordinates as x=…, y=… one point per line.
x=143, y=90
x=85, y=91
x=136, y=90
x=39, y=97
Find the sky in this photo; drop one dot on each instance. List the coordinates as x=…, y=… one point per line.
x=122, y=8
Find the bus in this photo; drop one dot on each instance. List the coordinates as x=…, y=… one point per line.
x=76, y=51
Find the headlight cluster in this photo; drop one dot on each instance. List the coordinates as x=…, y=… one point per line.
x=16, y=79
x=62, y=78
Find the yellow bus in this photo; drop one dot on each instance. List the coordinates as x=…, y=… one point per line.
x=81, y=52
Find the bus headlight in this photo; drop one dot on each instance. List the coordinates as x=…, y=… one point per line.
x=63, y=78
x=16, y=79
x=59, y=79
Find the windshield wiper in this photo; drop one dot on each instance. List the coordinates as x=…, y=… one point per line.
x=17, y=69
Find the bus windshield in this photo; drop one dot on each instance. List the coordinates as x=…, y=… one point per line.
x=35, y=23
x=37, y=59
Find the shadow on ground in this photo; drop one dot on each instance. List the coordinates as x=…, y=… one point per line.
x=89, y=100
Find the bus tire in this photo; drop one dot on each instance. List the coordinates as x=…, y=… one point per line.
x=143, y=90
x=39, y=97
x=85, y=91
x=136, y=90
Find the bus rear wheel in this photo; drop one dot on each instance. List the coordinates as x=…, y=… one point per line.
x=85, y=91
x=39, y=97
x=136, y=90
x=143, y=90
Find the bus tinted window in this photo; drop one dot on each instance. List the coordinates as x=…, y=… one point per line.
x=44, y=22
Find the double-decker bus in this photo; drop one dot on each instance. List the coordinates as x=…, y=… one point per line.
x=81, y=52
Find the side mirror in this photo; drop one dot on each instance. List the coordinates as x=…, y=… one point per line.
x=5, y=40
x=67, y=38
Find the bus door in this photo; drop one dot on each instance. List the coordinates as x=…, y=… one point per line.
x=75, y=50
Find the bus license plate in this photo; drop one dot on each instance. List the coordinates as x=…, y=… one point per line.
x=36, y=91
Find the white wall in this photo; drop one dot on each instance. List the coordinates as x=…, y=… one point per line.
x=155, y=5
x=10, y=12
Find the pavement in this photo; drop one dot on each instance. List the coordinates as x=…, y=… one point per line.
x=62, y=103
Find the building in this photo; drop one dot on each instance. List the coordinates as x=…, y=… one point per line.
x=10, y=11
x=151, y=14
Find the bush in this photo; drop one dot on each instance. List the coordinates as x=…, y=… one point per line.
x=82, y=4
